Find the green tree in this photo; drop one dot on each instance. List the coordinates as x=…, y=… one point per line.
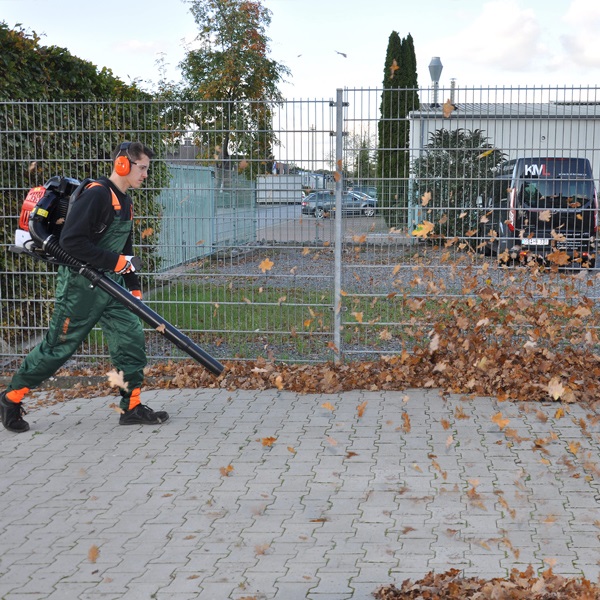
x=399, y=97
x=236, y=81
x=453, y=173
x=359, y=158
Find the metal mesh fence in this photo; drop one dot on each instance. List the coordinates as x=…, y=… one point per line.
x=275, y=231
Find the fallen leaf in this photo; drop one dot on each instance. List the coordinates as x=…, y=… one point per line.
x=328, y=406
x=361, y=409
x=268, y=441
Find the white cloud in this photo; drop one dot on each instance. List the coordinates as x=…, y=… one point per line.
x=503, y=36
x=580, y=42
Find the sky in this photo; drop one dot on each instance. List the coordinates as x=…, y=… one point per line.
x=497, y=43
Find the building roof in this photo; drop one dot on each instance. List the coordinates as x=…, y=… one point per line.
x=514, y=110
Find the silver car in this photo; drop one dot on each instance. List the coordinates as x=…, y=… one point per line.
x=322, y=204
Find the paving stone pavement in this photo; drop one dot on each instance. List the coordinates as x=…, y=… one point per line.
x=272, y=494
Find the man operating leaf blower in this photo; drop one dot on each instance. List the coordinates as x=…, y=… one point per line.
x=97, y=232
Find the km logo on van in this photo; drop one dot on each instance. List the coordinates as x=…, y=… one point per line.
x=535, y=171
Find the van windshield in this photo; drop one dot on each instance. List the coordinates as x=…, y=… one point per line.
x=562, y=193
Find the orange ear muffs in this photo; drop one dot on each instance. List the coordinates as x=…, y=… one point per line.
x=122, y=166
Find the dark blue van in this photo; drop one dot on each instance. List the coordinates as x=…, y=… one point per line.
x=541, y=206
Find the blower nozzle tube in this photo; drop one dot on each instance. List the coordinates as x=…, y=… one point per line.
x=50, y=246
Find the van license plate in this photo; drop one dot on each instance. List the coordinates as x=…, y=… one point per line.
x=535, y=242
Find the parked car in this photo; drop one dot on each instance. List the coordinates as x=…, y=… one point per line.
x=541, y=205
x=364, y=189
x=322, y=204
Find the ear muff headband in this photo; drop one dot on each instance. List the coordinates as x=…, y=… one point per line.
x=122, y=162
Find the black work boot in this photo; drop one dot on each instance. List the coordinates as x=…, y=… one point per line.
x=143, y=415
x=11, y=414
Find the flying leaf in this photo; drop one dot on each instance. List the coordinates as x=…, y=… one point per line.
x=393, y=68
x=486, y=153
x=559, y=257
x=448, y=108
x=555, y=388
x=115, y=379
x=385, y=335
x=279, y=382
x=405, y=422
x=266, y=265
x=361, y=409
x=93, y=553
x=226, y=470
x=116, y=408
x=147, y=232
x=332, y=346
x=358, y=316
x=425, y=199
x=161, y=328
x=291, y=449
x=500, y=421
x=545, y=215
x=434, y=343
x=423, y=229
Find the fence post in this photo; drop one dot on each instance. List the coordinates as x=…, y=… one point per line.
x=337, y=283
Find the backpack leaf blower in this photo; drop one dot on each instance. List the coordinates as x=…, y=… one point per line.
x=42, y=217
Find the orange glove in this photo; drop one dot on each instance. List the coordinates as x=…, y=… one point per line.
x=124, y=265
x=137, y=294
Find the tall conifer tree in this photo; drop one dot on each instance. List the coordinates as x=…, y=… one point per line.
x=399, y=97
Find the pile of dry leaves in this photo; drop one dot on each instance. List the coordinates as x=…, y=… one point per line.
x=527, y=374
x=520, y=585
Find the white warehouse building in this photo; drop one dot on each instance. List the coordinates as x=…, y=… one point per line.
x=563, y=129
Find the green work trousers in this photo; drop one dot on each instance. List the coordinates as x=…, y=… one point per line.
x=79, y=307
